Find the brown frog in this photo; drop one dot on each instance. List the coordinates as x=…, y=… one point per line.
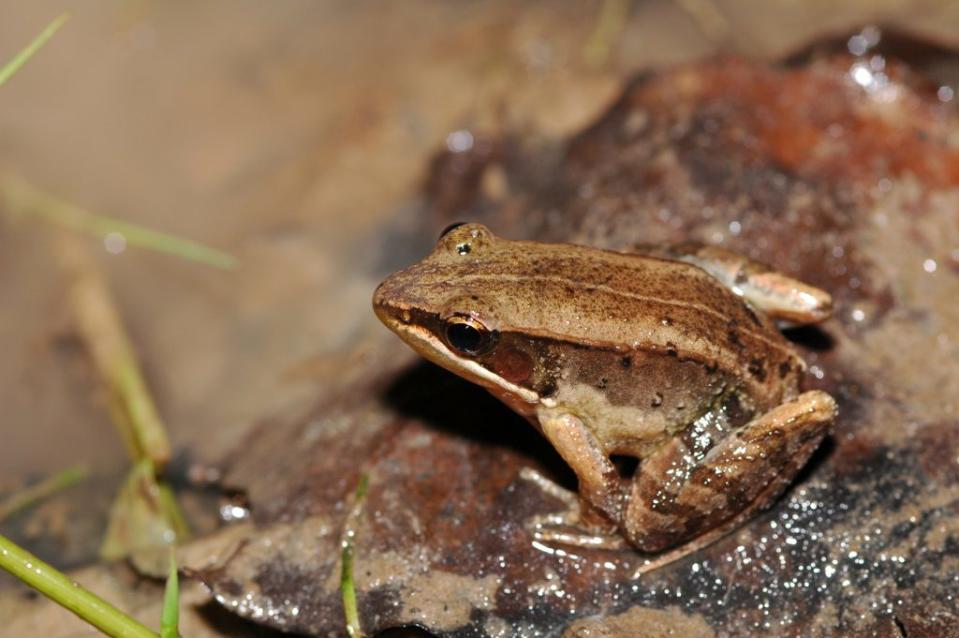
x=670, y=358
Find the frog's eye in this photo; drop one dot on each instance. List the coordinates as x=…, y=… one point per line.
x=467, y=336
x=449, y=229
x=464, y=238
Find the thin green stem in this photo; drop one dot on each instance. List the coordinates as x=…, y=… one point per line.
x=26, y=497
x=170, y=617
x=23, y=197
x=609, y=27
x=11, y=67
x=348, y=588
x=101, y=329
x=63, y=591
x=347, y=584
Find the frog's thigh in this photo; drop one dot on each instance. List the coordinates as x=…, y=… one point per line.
x=779, y=296
x=599, y=482
x=743, y=473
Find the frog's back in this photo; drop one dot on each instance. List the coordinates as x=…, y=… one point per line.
x=601, y=300
x=631, y=298
x=624, y=301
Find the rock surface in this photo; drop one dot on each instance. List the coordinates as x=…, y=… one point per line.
x=842, y=171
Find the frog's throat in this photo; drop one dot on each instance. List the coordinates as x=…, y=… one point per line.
x=522, y=400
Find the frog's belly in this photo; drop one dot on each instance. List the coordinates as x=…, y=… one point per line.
x=634, y=407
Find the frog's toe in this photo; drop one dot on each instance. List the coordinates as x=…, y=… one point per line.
x=556, y=536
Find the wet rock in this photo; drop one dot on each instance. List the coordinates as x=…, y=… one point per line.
x=842, y=172
x=639, y=622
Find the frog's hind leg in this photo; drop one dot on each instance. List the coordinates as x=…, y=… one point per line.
x=779, y=296
x=678, y=497
x=763, y=500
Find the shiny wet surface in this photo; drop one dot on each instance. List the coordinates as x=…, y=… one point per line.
x=291, y=154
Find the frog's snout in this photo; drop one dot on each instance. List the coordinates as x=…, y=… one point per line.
x=381, y=298
x=390, y=303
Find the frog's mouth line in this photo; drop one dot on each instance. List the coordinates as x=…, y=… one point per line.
x=522, y=400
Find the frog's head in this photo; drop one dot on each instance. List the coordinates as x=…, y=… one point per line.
x=452, y=309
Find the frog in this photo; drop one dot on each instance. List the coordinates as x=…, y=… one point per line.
x=658, y=374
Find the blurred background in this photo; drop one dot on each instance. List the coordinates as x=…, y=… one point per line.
x=295, y=136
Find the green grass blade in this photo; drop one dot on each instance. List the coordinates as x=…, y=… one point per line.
x=30, y=495
x=347, y=584
x=11, y=67
x=170, y=618
x=613, y=16
x=361, y=489
x=66, y=593
x=23, y=197
x=348, y=589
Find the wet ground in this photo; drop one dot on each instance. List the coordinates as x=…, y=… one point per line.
x=297, y=137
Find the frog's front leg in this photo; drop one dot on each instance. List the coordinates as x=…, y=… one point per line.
x=676, y=497
x=599, y=482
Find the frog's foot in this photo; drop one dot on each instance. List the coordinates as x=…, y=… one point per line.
x=578, y=524
x=779, y=296
x=677, y=496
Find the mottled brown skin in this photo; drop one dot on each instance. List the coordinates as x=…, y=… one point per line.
x=624, y=354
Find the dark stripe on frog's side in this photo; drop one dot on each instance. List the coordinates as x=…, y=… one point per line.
x=666, y=393
x=735, y=349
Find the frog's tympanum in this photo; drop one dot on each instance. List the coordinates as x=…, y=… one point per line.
x=669, y=357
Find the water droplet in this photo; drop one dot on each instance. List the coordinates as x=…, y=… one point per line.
x=857, y=44
x=114, y=242
x=459, y=141
x=929, y=265
x=233, y=513
x=863, y=41
x=861, y=75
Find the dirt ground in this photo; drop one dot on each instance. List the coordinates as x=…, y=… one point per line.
x=290, y=134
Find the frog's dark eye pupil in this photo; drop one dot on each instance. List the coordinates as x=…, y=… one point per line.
x=467, y=336
x=464, y=337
